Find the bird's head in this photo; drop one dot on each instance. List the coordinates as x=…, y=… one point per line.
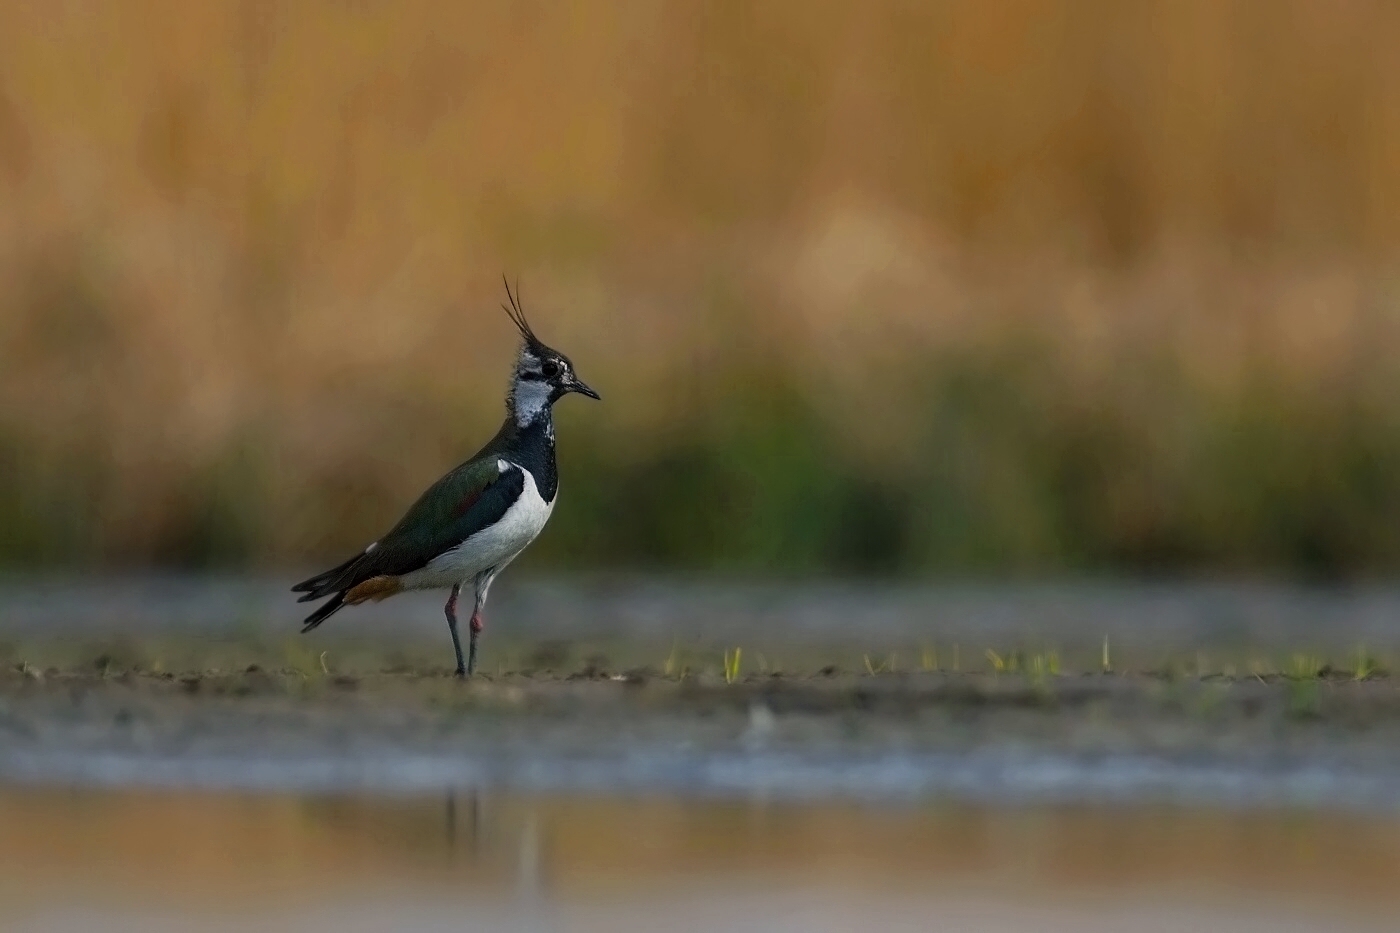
x=543, y=375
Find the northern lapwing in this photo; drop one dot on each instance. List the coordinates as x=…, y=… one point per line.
x=476, y=519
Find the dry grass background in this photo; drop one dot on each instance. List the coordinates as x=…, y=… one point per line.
x=1033, y=285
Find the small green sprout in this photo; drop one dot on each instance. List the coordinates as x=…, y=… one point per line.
x=1364, y=665
x=1038, y=669
x=300, y=660
x=1106, y=663
x=1304, y=667
x=731, y=665
x=929, y=658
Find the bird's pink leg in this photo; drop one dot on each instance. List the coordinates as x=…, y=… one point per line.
x=475, y=626
x=450, y=610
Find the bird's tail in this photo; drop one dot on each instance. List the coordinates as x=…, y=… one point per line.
x=324, y=584
x=323, y=612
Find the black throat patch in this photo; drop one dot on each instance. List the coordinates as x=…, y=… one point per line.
x=532, y=446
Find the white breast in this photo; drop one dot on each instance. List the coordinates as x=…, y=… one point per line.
x=494, y=546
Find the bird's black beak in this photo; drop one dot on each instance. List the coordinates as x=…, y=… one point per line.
x=578, y=385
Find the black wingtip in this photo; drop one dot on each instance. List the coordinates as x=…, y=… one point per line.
x=323, y=584
x=328, y=609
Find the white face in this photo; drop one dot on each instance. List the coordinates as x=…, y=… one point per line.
x=529, y=399
x=530, y=393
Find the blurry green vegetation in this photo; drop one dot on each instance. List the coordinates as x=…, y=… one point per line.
x=1000, y=464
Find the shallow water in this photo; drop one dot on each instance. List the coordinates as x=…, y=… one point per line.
x=1151, y=617
x=702, y=764
x=128, y=860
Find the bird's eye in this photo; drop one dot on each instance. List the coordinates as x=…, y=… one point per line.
x=550, y=369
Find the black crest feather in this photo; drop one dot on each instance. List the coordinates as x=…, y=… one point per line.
x=516, y=311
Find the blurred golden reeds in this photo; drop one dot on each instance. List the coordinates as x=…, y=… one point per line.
x=1037, y=284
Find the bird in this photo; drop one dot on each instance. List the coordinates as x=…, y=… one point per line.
x=479, y=517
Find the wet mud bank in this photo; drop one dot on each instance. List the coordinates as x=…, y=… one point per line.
x=1321, y=737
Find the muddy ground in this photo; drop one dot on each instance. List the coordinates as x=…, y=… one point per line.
x=211, y=700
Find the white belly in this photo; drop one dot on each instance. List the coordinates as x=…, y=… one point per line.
x=491, y=547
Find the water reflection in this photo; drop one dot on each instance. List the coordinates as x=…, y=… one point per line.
x=68, y=857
